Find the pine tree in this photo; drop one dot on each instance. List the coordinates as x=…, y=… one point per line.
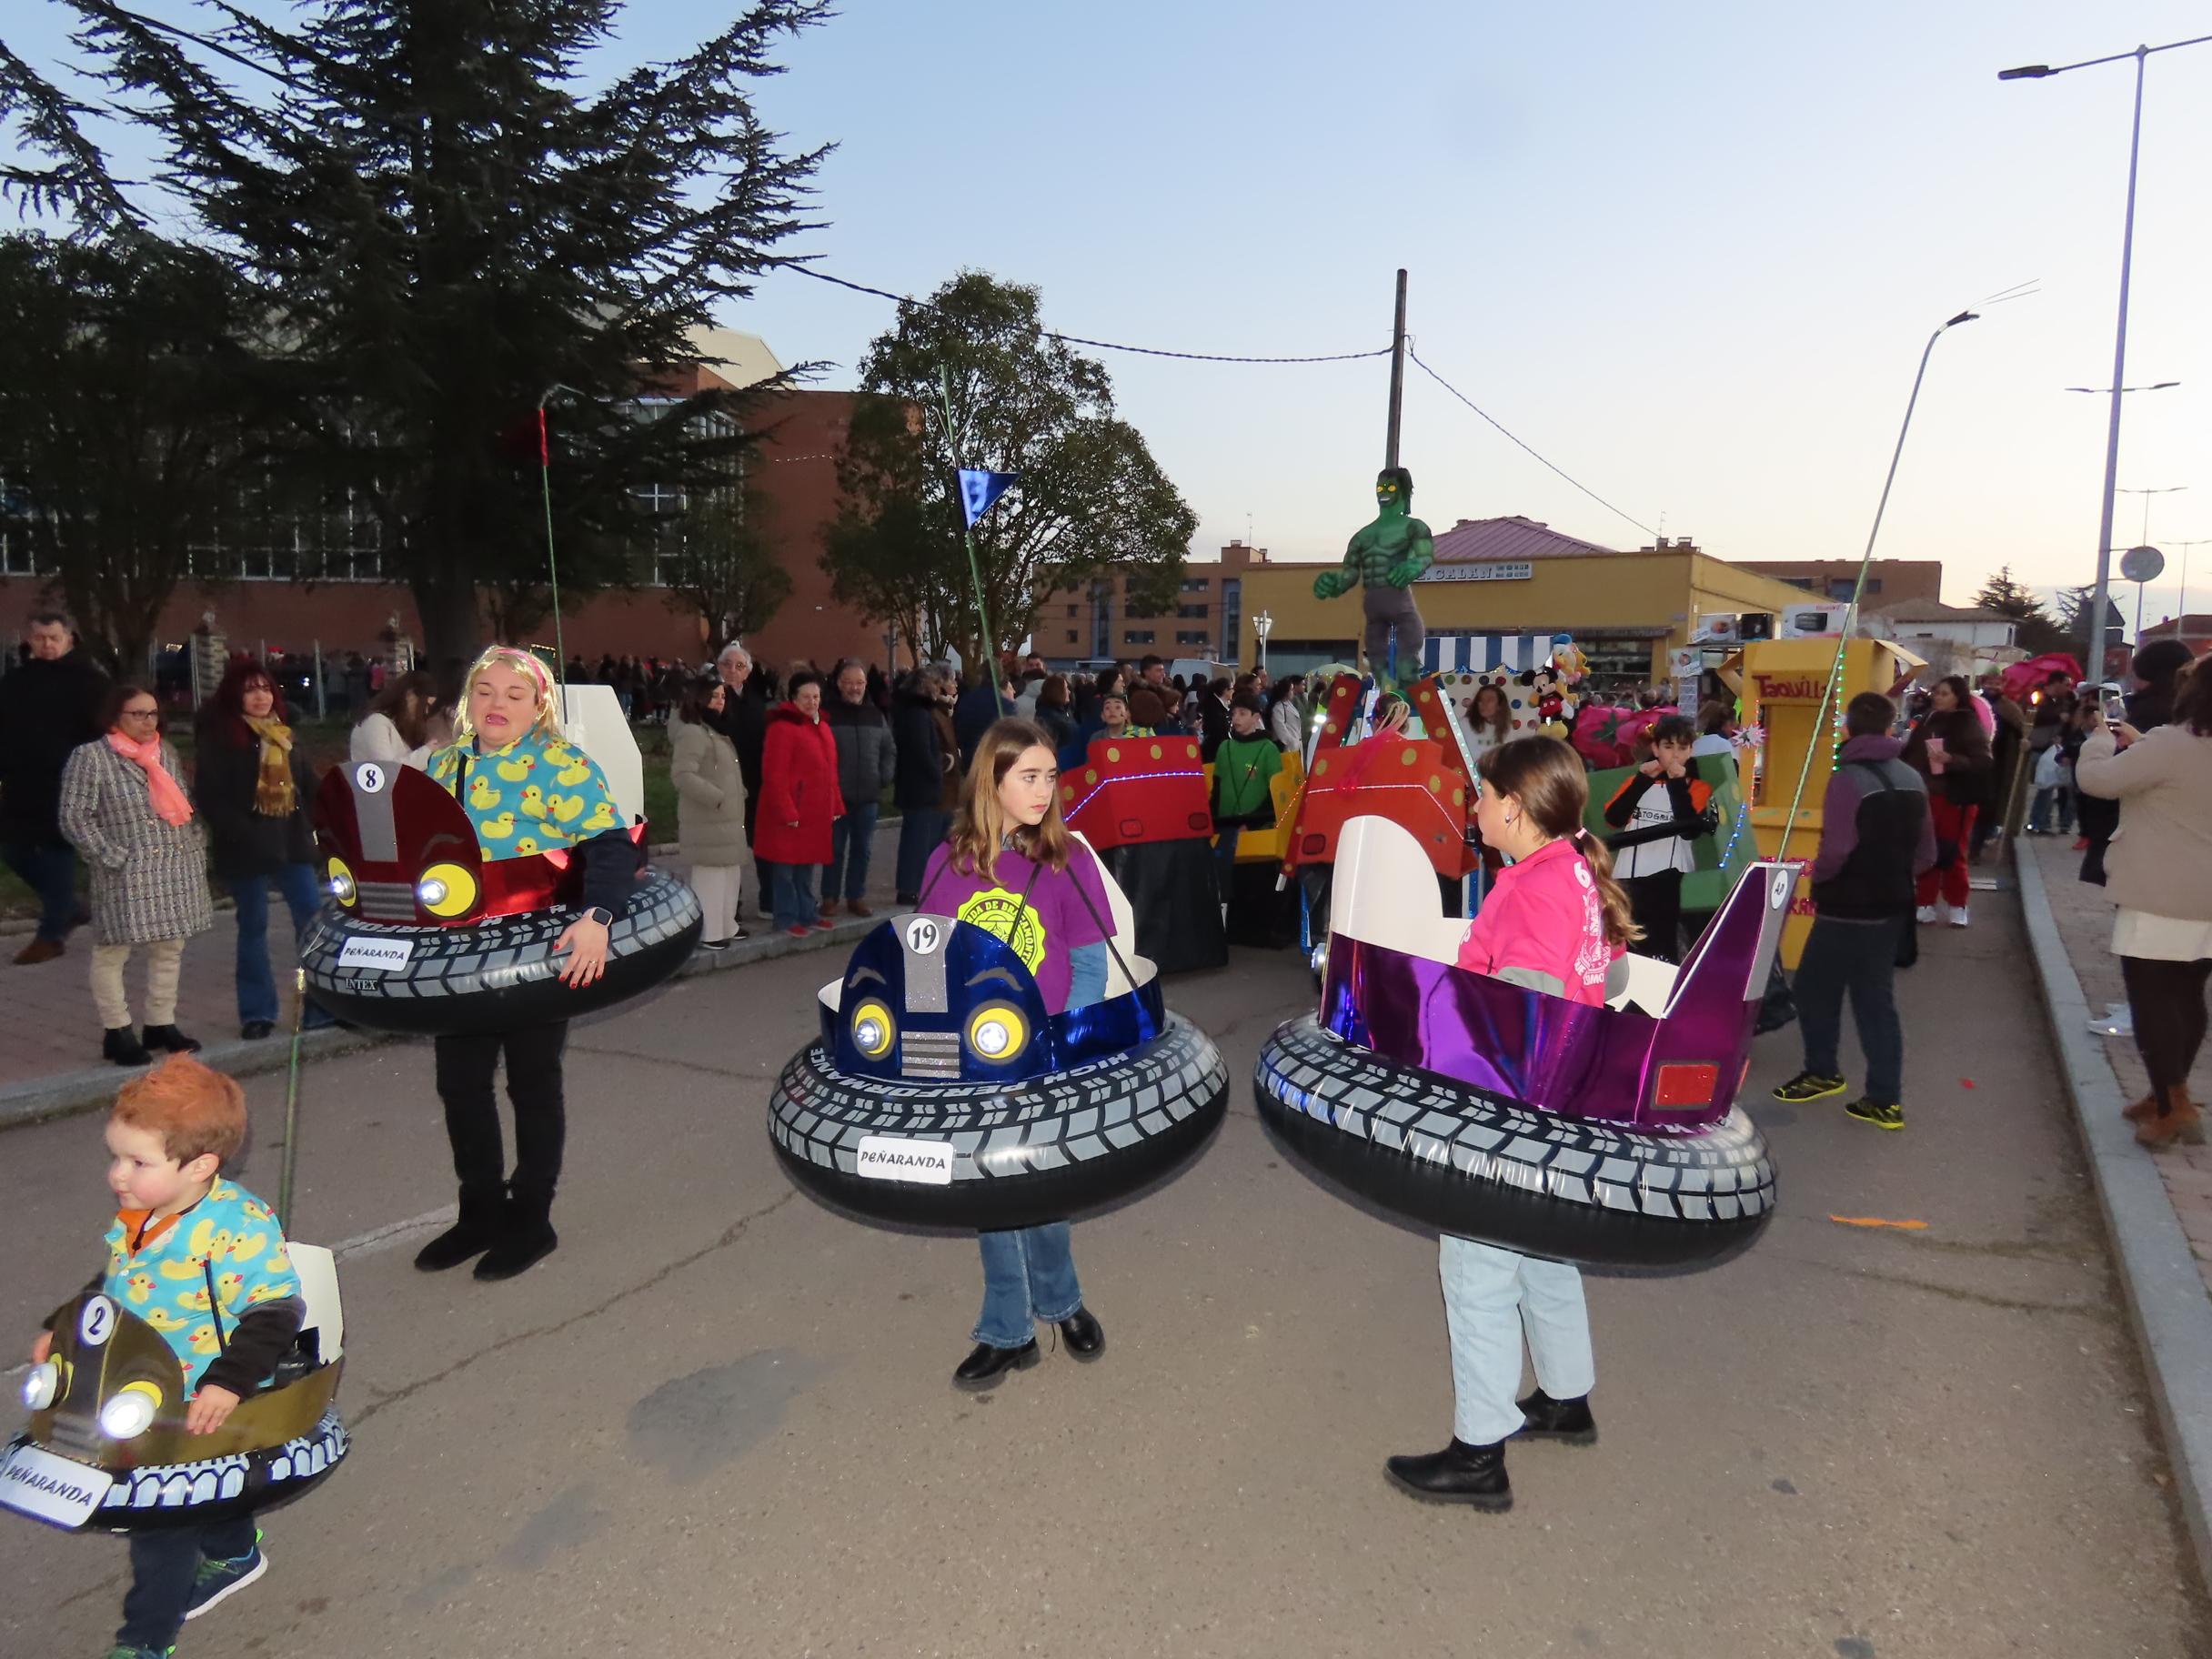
x=2034, y=632
x=452, y=236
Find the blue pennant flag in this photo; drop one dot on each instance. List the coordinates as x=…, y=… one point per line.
x=979, y=489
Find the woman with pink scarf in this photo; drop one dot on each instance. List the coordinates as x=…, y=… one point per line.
x=124, y=810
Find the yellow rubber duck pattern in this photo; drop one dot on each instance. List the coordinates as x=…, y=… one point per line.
x=228, y=1238
x=538, y=794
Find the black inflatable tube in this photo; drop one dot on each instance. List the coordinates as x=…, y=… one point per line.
x=1545, y=1185
x=1054, y=1146
x=497, y=975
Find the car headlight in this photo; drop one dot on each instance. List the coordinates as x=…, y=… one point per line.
x=446, y=890
x=131, y=1413
x=997, y=1032
x=341, y=883
x=873, y=1028
x=42, y=1386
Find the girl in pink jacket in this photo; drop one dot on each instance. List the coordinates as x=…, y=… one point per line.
x=1553, y=920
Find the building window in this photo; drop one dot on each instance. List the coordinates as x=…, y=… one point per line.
x=1196, y=584
x=1193, y=610
x=1070, y=610
x=1232, y=618
x=1138, y=636
x=1071, y=639
x=1186, y=637
x=1102, y=619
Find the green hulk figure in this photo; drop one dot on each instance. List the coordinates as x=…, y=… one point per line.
x=1383, y=560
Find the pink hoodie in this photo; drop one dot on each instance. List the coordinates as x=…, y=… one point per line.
x=1543, y=913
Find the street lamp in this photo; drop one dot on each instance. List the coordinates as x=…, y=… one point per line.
x=2181, y=609
x=2037, y=72
x=2101, y=391
x=1260, y=625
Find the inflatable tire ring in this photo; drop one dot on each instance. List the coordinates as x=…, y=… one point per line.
x=1465, y=1162
x=1049, y=1146
x=219, y=1488
x=499, y=974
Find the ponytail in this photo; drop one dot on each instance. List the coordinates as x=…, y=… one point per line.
x=1612, y=898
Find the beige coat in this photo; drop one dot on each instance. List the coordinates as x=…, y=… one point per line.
x=2161, y=859
x=710, y=796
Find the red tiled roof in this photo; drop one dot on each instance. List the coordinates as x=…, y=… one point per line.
x=1482, y=541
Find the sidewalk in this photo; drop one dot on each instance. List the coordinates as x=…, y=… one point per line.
x=50, y=1038
x=2158, y=1207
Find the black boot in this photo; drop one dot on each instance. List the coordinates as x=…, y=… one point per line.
x=526, y=1237
x=987, y=1365
x=482, y=1210
x=1544, y=1418
x=1460, y=1473
x=121, y=1044
x=1085, y=1337
x=169, y=1040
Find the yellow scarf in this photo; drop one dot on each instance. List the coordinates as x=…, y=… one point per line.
x=273, y=795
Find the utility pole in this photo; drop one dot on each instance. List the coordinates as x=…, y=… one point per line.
x=1397, y=374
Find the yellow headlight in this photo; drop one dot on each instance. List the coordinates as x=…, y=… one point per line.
x=997, y=1032
x=340, y=883
x=446, y=890
x=873, y=1028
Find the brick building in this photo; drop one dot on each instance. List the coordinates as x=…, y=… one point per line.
x=1889, y=581
x=1208, y=620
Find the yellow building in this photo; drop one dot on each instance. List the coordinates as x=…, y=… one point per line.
x=1500, y=587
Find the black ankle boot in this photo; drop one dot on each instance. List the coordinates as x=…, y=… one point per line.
x=987, y=1365
x=1085, y=1337
x=482, y=1210
x=1544, y=1418
x=121, y=1044
x=526, y=1236
x=1460, y=1473
x=169, y=1040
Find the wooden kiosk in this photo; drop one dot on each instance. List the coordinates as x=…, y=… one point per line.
x=1784, y=681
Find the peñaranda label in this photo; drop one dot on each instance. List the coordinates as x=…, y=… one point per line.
x=890, y=1158
x=36, y=1483
x=389, y=954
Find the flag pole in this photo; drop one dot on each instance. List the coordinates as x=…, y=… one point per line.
x=545, y=479
x=975, y=568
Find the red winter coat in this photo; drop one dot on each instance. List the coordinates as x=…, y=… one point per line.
x=799, y=794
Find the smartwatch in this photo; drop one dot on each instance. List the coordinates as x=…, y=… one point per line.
x=600, y=914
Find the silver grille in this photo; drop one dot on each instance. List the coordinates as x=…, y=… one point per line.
x=386, y=900
x=933, y=1055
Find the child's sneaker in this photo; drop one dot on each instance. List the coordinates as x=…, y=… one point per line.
x=140, y=1652
x=1875, y=1112
x=218, y=1579
x=1808, y=1086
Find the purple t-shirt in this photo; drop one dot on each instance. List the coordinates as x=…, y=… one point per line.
x=1043, y=928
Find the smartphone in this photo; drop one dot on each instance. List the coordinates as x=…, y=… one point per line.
x=2116, y=708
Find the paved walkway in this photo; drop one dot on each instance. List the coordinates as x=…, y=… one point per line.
x=2084, y=914
x=51, y=1029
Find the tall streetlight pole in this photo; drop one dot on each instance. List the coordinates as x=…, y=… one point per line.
x=2181, y=609
x=2037, y=72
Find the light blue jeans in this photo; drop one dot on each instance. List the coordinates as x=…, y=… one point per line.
x=1029, y=1272
x=1493, y=1297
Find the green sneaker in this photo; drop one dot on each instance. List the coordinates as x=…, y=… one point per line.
x=1808, y=1086
x=219, y=1579
x=1875, y=1113
x=140, y=1652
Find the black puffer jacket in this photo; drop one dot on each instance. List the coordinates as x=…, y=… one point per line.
x=1963, y=781
x=917, y=782
x=46, y=710
x=242, y=841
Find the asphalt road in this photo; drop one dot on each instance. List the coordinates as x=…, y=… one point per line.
x=719, y=1420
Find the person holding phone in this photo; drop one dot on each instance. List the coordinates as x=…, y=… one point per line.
x=1950, y=749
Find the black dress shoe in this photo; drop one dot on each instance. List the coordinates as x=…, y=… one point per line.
x=987, y=1365
x=1085, y=1337
x=1460, y=1473
x=171, y=1041
x=121, y=1044
x=254, y=1030
x=1544, y=1418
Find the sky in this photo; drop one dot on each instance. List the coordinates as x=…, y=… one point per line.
x=1689, y=254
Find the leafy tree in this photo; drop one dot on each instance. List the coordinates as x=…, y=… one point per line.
x=2075, y=607
x=1092, y=501
x=455, y=235
x=132, y=424
x=720, y=565
x=2034, y=632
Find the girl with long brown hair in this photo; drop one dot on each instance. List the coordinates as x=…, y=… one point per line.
x=1011, y=868
x=1554, y=921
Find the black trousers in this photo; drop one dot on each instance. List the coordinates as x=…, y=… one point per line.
x=164, y=1566
x=2168, y=1001
x=466, y=1068
x=1656, y=901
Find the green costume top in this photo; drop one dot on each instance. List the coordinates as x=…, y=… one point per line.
x=1390, y=552
x=537, y=793
x=1243, y=768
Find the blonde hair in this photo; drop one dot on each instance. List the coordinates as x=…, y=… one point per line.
x=1548, y=777
x=514, y=661
x=980, y=826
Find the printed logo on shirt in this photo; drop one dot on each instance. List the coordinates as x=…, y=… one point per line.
x=997, y=912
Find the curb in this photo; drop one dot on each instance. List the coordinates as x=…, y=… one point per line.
x=2166, y=1298
x=66, y=1093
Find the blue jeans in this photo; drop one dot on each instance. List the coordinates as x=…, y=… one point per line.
x=2057, y=802
x=790, y=895
x=851, y=838
x=1029, y=1274
x=50, y=871
x=921, y=829
x=256, y=986
x=1860, y=957
x=165, y=1566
